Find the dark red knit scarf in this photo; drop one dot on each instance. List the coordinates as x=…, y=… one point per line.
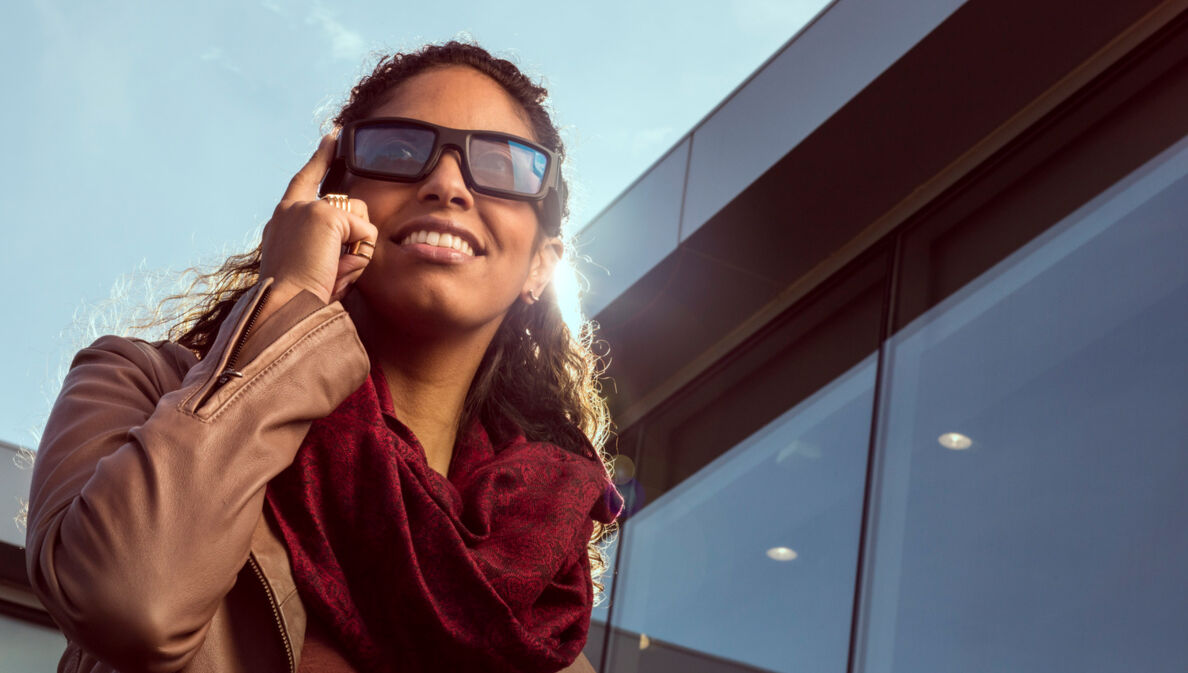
x=411, y=571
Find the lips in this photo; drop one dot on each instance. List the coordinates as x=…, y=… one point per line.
x=436, y=232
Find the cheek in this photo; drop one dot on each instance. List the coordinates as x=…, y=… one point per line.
x=515, y=222
x=382, y=198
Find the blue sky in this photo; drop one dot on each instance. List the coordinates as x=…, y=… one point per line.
x=144, y=138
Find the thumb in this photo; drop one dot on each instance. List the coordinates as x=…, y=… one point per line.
x=304, y=185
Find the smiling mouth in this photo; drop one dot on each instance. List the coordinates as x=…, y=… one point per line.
x=438, y=240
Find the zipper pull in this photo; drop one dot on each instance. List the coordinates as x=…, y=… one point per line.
x=233, y=360
x=228, y=374
x=229, y=371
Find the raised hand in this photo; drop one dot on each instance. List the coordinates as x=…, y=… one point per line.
x=303, y=242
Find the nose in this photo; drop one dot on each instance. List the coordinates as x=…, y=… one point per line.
x=445, y=182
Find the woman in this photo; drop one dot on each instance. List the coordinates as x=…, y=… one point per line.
x=372, y=446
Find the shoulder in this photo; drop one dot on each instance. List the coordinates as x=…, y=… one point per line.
x=147, y=353
x=163, y=364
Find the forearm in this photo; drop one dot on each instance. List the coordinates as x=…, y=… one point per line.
x=144, y=498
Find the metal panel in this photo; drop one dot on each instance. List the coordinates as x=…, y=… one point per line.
x=635, y=232
x=833, y=59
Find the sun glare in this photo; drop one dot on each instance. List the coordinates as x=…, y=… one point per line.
x=568, y=290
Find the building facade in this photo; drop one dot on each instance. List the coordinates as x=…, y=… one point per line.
x=29, y=641
x=898, y=355
x=897, y=340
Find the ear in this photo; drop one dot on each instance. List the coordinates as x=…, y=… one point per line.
x=540, y=273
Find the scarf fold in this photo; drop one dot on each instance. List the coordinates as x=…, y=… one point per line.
x=410, y=571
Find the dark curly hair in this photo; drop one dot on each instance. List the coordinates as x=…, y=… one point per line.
x=536, y=376
x=372, y=91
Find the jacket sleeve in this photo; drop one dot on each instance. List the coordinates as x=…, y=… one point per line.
x=146, y=488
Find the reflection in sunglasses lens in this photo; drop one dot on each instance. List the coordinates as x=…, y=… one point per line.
x=501, y=163
x=396, y=150
x=494, y=161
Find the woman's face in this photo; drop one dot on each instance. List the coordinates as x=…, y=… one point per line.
x=420, y=286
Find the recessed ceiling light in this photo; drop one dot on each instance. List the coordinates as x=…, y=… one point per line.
x=955, y=441
x=781, y=554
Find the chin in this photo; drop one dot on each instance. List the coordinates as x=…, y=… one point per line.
x=419, y=311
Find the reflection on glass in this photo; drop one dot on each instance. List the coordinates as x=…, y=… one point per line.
x=601, y=611
x=751, y=562
x=600, y=614
x=1055, y=539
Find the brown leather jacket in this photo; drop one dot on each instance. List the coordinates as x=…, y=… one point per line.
x=146, y=540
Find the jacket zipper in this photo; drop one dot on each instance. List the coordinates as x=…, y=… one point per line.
x=229, y=370
x=280, y=625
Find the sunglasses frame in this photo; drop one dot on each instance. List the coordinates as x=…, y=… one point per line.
x=443, y=138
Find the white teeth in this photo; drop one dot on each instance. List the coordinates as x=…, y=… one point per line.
x=440, y=240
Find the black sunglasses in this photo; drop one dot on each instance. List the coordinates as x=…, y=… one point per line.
x=406, y=150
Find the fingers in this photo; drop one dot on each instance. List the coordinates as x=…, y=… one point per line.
x=304, y=241
x=359, y=207
x=361, y=248
x=304, y=185
x=360, y=228
x=302, y=245
x=355, y=211
x=350, y=267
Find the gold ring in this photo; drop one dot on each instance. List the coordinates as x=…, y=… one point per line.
x=340, y=201
x=356, y=248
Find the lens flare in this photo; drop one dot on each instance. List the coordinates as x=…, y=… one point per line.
x=567, y=289
x=624, y=469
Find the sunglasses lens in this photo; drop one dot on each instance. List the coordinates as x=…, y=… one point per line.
x=502, y=163
x=394, y=149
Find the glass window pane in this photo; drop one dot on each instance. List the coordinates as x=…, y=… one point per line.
x=28, y=647
x=601, y=613
x=1030, y=505
x=751, y=561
